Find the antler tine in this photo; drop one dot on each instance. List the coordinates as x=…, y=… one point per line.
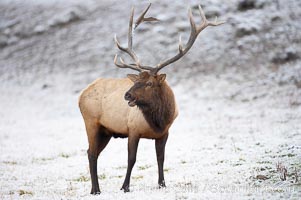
x=129, y=50
x=141, y=18
x=194, y=32
x=192, y=23
x=180, y=45
x=123, y=65
x=206, y=22
x=118, y=44
x=130, y=33
x=203, y=16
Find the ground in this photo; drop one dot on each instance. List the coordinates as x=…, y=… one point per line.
x=236, y=121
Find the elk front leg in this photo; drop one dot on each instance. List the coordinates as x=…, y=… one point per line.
x=160, y=151
x=132, y=152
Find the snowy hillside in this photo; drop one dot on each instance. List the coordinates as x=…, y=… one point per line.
x=238, y=91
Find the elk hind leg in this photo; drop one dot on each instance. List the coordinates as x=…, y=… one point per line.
x=98, y=139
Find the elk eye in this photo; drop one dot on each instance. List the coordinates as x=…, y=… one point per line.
x=149, y=84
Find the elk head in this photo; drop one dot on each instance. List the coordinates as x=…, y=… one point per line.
x=148, y=83
x=146, y=88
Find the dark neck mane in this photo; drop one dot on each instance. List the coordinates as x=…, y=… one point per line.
x=160, y=112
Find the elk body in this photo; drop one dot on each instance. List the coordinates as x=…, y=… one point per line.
x=139, y=106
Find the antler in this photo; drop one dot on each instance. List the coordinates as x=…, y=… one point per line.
x=129, y=50
x=195, y=30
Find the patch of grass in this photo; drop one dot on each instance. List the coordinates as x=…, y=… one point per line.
x=121, y=167
x=137, y=177
x=64, y=155
x=283, y=145
x=220, y=162
x=119, y=176
x=10, y=162
x=297, y=164
x=82, y=179
x=279, y=190
x=181, y=184
x=144, y=167
x=102, y=176
x=272, y=171
x=264, y=162
x=24, y=192
x=288, y=155
x=238, y=149
x=46, y=159
x=38, y=160
x=70, y=188
x=166, y=170
x=181, y=197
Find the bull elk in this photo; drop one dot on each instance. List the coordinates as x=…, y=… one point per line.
x=151, y=107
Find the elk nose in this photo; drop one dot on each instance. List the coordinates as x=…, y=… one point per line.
x=127, y=96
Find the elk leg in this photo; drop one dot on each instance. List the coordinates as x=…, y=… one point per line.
x=93, y=172
x=97, y=142
x=132, y=152
x=160, y=151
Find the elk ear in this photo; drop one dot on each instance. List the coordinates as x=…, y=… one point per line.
x=161, y=78
x=133, y=77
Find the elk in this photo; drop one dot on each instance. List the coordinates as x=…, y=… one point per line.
x=151, y=107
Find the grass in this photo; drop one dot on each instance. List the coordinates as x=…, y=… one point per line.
x=64, y=155
x=82, y=179
x=102, y=176
x=24, y=192
x=119, y=176
x=166, y=170
x=264, y=162
x=10, y=162
x=288, y=155
x=38, y=160
x=144, y=167
x=138, y=177
x=121, y=167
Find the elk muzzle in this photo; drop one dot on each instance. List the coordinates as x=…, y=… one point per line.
x=132, y=100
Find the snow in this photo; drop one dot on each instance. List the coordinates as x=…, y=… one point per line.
x=240, y=107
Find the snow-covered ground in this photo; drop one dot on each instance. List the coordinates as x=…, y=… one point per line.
x=238, y=92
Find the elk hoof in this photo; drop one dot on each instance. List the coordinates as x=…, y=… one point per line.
x=125, y=189
x=162, y=185
x=95, y=192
